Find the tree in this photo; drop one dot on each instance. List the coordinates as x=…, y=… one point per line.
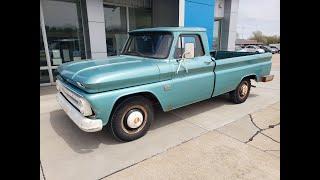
x=260, y=37
x=273, y=39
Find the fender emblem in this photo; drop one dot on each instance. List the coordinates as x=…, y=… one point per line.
x=166, y=87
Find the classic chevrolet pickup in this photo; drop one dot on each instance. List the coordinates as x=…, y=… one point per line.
x=169, y=66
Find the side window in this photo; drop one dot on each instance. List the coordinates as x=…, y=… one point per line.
x=183, y=39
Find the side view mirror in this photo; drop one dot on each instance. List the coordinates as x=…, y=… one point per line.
x=188, y=54
x=188, y=51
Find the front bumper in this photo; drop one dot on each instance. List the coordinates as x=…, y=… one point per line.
x=84, y=123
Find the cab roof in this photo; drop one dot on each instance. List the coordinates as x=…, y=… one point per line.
x=171, y=29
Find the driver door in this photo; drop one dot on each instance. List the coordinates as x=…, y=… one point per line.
x=194, y=80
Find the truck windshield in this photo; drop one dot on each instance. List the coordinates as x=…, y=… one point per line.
x=149, y=44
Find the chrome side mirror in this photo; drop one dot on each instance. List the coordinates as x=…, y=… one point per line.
x=188, y=51
x=188, y=54
x=180, y=62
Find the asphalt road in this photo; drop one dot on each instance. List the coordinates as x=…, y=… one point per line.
x=69, y=153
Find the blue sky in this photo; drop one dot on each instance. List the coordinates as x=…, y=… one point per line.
x=263, y=15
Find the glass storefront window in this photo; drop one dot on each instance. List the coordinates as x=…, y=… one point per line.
x=43, y=59
x=66, y=30
x=44, y=76
x=55, y=73
x=44, y=72
x=116, y=28
x=117, y=23
x=63, y=23
x=140, y=18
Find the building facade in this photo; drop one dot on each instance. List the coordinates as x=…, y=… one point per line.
x=246, y=42
x=76, y=30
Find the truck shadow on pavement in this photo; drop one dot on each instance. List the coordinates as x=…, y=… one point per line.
x=191, y=110
x=86, y=142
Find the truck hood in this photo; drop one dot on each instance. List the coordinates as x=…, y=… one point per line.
x=111, y=73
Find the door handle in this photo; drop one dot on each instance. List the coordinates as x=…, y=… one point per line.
x=208, y=62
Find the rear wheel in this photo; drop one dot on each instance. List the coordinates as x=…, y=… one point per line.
x=132, y=118
x=241, y=93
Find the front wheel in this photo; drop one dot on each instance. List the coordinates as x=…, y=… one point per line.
x=132, y=118
x=241, y=93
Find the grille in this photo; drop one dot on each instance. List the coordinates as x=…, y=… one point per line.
x=69, y=95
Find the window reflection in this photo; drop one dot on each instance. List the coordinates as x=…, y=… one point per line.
x=55, y=73
x=140, y=18
x=116, y=28
x=43, y=60
x=44, y=76
x=63, y=23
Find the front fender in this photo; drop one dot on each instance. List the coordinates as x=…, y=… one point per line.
x=103, y=103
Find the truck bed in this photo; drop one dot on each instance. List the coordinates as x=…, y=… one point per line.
x=229, y=54
x=231, y=67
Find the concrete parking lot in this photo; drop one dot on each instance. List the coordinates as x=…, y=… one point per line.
x=213, y=138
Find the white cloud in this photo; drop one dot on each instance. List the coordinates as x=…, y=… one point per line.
x=263, y=15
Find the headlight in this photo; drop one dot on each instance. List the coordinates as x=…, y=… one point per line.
x=84, y=107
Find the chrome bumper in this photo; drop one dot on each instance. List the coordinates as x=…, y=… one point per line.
x=267, y=78
x=85, y=124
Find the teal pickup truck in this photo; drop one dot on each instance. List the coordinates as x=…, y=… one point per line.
x=169, y=66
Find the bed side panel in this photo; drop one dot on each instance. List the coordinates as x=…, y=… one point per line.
x=229, y=72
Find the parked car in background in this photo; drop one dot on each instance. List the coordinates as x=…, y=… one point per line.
x=268, y=49
x=253, y=48
x=274, y=48
x=241, y=50
x=238, y=48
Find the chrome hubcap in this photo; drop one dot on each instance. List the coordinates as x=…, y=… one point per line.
x=135, y=119
x=244, y=90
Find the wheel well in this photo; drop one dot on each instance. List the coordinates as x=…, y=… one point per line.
x=154, y=100
x=254, y=77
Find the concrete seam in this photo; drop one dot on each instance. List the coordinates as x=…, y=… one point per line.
x=44, y=177
x=244, y=143
x=271, y=150
x=270, y=138
x=183, y=142
x=227, y=135
x=260, y=130
x=245, y=115
x=251, y=118
x=189, y=121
